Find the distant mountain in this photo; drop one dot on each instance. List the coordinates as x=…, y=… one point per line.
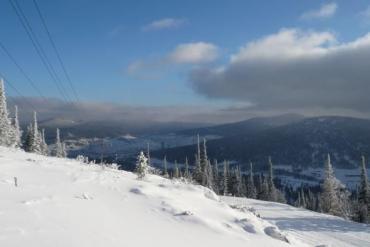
x=102, y=129
x=248, y=126
x=301, y=144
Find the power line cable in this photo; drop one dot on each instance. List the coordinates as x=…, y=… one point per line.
x=31, y=82
x=12, y=86
x=31, y=35
x=55, y=49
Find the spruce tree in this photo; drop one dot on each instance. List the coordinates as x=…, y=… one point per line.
x=271, y=186
x=176, y=173
x=58, y=148
x=240, y=191
x=225, y=179
x=64, y=150
x=17, y=129
x=334, y=198
x=165, y=171
x=364, y=195
x=198, y=172
x=251, y=189
x=44, y=146
x=33, y=140
x=216, y=179
x=142, y=167
x=6, y=129
x=208, y=175
x=204, y=162
x=187, y=172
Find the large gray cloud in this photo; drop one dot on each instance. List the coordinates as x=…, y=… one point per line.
x=293, y=70
x=64, y=113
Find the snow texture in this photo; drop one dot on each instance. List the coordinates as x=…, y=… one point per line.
x=62, y=202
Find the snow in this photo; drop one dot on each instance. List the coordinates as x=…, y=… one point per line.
x=307, y=226
x=62, y=202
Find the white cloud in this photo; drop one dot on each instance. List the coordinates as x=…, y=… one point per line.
x=188, y=53
x=286, y=44
x=194, y=53
x=293, y=69
x=166, y=23
x=325, y=11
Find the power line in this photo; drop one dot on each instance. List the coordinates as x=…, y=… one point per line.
x=36, y=44
x=34, y=86
x=12, y=86
x=56, y=50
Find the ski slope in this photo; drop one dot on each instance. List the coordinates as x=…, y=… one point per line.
x=61, y=202
x=308, y=226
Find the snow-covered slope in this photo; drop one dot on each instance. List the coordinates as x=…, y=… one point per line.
x=311, y=227
x=60, y=202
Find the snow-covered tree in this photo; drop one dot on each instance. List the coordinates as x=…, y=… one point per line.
x=364, y=195
x=33, y=139
x=251, y=189
x=216, y=179
x=64, y=150
x=28, y=139
x=204, y=162
x=6, y=129
x=148, y=153
x=239, y=185
x=225, y=179
x=44, y=146
x=208, y=175
x=17, y=130
x=334, y=197
x=165, y=171
x=142, y=167
x=58, y=147
x=176, y=172
x=187, y=172
x=198, y=172
x=271, y=186
x=264, y=192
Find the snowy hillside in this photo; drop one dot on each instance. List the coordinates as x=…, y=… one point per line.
x=60, y=202
x=308, y=226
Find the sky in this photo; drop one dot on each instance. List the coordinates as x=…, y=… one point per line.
x=251, y=57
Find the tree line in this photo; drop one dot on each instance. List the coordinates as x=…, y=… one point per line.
x=332, y=196
x=34, y=139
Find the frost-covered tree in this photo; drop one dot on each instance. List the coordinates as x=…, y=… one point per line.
x=216, y=179
x=165, y=171
x=17, y=130
x=28, y=139
x=187, y=172
x=6, y=129
x=334, y=196
x=58, y=146
x=251, y=189
x=44, y=146
x=264, y=193
x=176, y=172
x=225, y=179
x=198, y=172
x=239, y=185
x=142, y=167
x=148, y=153
x=33, y=139
x=208, y=175
x=364, y=195
x=204, y=163
x=64, y=150
x=270, y=180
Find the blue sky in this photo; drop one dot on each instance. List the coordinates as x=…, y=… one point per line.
x=101, y=41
